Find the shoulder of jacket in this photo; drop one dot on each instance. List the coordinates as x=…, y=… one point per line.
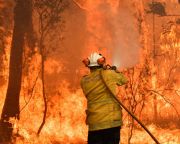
x=83, y=77
x=109, y=71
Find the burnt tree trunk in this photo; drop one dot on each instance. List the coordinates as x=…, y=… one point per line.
x=22, y=17
x=155, y=117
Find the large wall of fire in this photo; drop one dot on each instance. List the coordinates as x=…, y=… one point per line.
x=140, y=37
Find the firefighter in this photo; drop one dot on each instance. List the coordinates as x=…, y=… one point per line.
x=104, y=114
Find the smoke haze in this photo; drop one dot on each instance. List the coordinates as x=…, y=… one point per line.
x=112, y=30
x=104, y=26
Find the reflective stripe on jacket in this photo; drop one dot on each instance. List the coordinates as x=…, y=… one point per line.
x=103, y=111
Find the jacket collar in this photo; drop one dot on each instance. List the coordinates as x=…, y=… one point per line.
x=95, y=70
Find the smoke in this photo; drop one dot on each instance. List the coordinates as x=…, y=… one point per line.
x=126, y=38
x=113, y=31
x=69, y=50
x=104, y=26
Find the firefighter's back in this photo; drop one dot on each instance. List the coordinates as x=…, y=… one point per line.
x=103, y=111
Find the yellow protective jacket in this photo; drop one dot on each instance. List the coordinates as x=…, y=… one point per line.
x=103, y=111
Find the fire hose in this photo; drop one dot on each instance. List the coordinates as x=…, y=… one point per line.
x=126, y=109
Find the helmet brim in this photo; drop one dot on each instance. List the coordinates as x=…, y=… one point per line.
x=92, y=65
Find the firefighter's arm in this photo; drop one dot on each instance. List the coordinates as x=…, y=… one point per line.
x=120, y=79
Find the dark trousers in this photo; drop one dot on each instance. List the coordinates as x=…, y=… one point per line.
x=105, y=136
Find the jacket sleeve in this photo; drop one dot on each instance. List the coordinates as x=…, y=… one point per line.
x=82, y=84
x=121, y=79
x=112, y=78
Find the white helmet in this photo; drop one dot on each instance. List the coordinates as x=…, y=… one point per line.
x=94, y=59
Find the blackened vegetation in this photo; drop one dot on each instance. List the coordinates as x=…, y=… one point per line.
x=22, y=21
x=178, y=21
x=50, y=17
x=5, y=32
x=49, y=12
x=157, y=8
